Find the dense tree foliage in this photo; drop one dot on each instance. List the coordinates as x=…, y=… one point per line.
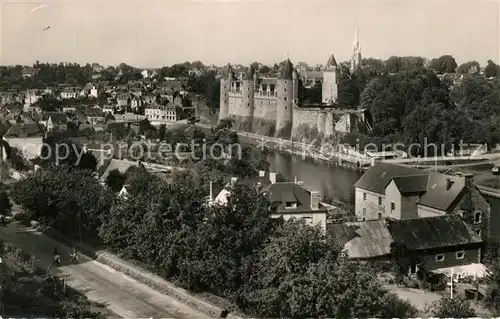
x=457, y=307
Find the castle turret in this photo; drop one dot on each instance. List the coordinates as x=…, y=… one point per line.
x=331, y=76
x=285, y=90
x=247, y=98
x=225, y=87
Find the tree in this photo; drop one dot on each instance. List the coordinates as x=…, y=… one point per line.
x=469, y=67
x=457, y=307
x=264, y=70
x=491, y=69
x=5, y=204
x=115, y=180
x=162, y=132
x=443, y=64
x=492, y=298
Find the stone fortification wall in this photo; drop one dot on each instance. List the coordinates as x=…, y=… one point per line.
x=312, y=123
x=264, y=116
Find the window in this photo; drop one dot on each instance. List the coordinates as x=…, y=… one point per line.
x=284, y=98
x=364, y=212
x=284, y=89
x=440, y=257
x=364, y=196
x=379, y=215
x=380, y=201
x=477, y=217
x=478, y=232
x=393, y=206
x=460, y=254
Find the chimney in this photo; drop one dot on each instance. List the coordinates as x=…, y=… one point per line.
x=233, y=181
x=469, y=179
x=272, y=177
x=449, y=183
x=315, y=197
x=211, y=192
x=262, y=173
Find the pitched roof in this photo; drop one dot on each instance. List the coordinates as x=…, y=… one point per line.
x=432, y=232
x=30, y=129
x=56, y=117
x=291, y=192
x=411, y=184
x=377, y=177
x=362, y=239
x=331, y=62
x=438, y=195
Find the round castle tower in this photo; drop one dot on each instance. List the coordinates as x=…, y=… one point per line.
x=247, y=98
x=225, y=86
x=285, y=99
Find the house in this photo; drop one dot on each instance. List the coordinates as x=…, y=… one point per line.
x=158, y=114
x=400, y=193
x=27, y=137
x=95, y=116
x=439, y=242
x=94, y=92
x=55, y=121
x=31, y=97
x=70, y=93
x=96, y=67
x=436, y=243
x=108, y=108
x=135, y=102
x=28, y=72
x=123, y=99
x=292, y=200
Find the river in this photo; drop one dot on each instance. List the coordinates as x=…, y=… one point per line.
x=331, y=180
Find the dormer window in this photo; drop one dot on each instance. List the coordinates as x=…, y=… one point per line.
x=290, y=205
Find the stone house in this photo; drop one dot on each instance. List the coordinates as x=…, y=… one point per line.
x=292, y=199
x=399, y=193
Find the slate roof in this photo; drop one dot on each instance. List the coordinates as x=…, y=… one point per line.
x=31, y=130
x=287, y=70
x=432, y=232
x=331, y=62
x=411, y=184
x=431, y=186
x=362, y=240
x=378, y=177
x=288, y=192
x=438, y=196
x=57, y=118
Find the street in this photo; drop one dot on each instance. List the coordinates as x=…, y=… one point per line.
x=124, y=296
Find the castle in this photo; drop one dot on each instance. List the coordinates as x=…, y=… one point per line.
x=271, y=105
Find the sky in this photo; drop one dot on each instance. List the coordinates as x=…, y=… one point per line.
x=149, y=34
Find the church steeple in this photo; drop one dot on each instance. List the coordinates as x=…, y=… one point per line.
x=356, y=52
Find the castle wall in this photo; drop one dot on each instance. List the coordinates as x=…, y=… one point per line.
x=264, y=115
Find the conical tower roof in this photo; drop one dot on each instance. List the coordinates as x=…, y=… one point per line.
x=331, y=62
x=287, y=70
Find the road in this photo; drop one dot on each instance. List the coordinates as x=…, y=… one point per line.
x=121, y=294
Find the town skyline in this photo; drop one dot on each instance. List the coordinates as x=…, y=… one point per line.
x=97, y=32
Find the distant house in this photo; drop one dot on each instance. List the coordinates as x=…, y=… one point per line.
x=123, y=100
x=291, y=200
x=70, y=93
x=95, y=116
x=161, y=114
x=28, y=72
x=55, y=121
x=31, y=97
x=96, y=67
x=27, y=137
x=135, y=102
x=397, y=192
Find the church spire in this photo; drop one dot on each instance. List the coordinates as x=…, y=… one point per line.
x=356, y=52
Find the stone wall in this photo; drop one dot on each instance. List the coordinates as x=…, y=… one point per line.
x=264, y=116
